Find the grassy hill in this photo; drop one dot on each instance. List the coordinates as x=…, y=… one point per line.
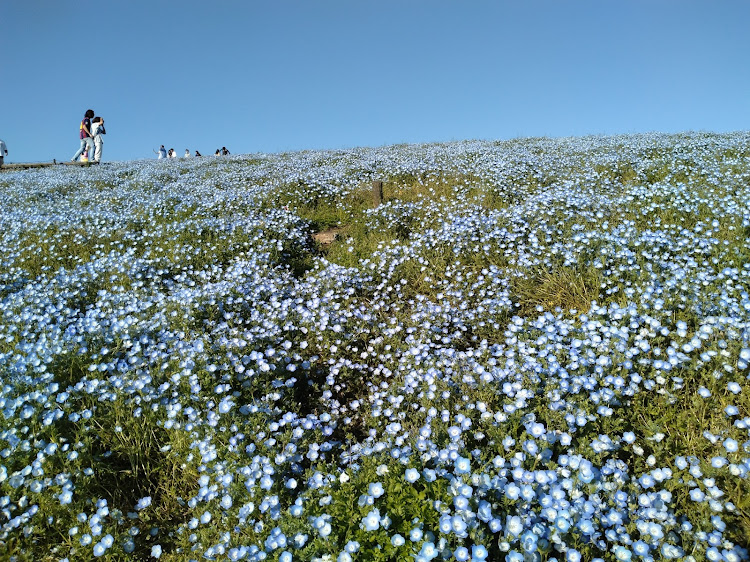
x=533, y=348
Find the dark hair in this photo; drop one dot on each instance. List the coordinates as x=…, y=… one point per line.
x=89, y=113
x=96, y=119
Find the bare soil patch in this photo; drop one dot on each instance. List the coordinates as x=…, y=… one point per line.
x=326, y=237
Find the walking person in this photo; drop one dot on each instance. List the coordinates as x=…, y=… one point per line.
x=197, y=153
x=97, y=130
x=3, y=152
x=161, y=153
x=187, y=153
x=224, y=151
x=87, y=142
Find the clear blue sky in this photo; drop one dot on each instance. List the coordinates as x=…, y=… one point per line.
x=286, y=75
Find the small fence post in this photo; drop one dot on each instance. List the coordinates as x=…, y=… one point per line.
x=377, y=192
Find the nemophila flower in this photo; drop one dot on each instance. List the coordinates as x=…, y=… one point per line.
x=529, y=541
x=397, y=540
x=562, y=524
x=128, y=546
x=411, y=475
x=647, y=481
x=461, y=502
x=143, y=503
x=530, y=447
x=719, y=462
x=703, y=392
x=478, y=552
x=375, y=489
x=371, y=521
x=670, y=551
x=458, y=525
x=462, y=465
x=731, y=445
x=536, y=430
x=454, y=433
x=731, y=410
x=156, y=551
x=461, y=554
x=365, y=499
x=428, y=550
x=744, y=358
x=514, y=525
x=733, y=555
x=65, y=497
x=225, y=406
x=640, y=548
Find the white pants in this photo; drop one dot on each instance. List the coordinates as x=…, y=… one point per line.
x=98, y=150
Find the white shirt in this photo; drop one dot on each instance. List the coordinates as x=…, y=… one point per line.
x=95, y=131
x=187, y=154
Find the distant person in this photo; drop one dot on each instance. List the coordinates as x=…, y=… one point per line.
x=197, y=153
x=97, y=130
x=218, y=152
x=224, y=151
x=172, y=153
x=87, y=142
x=3, y=152
x=187, y=153
x=161, y=153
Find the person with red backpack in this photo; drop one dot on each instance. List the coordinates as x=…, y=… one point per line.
x=87, y=141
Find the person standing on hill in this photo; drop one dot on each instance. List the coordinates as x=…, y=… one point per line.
x=97, y=130
x=187, y=153
x=87, y=142
x=3, y=152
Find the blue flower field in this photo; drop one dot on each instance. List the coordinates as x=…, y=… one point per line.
x=532, y=350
